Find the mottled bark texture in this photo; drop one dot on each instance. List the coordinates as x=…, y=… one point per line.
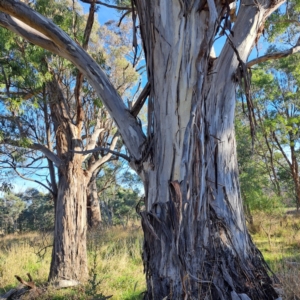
x=196, y=241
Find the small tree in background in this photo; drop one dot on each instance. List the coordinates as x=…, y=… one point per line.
x=11, y=207
x=278, y=113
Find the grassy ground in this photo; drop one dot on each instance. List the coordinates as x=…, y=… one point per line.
x=115, y=264
x=277, y=235
x=115, y=258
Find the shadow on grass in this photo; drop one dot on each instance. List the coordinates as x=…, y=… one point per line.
x=134, y=296
x=5, y=289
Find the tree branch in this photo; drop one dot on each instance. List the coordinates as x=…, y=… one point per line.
x=97, y=164
x=141, y=100
x=29, y=179
x=104, y=149
x=281, y=149
x=92, y=141
x=106, y=4
x=46, y=34
x=49, y=154
x=275, y=55
x=27, y=32
x=79, y=77
x=35, y=146
x=24, y=95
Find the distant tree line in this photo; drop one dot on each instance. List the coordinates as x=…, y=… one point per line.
x=269, y=160
x=33, y=210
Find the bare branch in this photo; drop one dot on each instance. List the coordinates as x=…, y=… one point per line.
x=104, y=149
x=49, y=154
x=141, y=100
x=124, y=15
x=106, y=4
x=281, y=149
x=97, y=130
x=27, y=32
x=275, y=55
x=29, y=179
x=97, y=164
x=35, y=146
x=52, y=38
x=29, y=284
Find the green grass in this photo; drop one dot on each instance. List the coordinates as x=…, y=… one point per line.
x=277, y=236
x=116, y=266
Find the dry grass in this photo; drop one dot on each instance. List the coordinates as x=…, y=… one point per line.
x=277, y=235
x=17, y=257
x=116, y=253
x=289, y=274
x=115, y=258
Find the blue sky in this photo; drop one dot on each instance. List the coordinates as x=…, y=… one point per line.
x=104, y=13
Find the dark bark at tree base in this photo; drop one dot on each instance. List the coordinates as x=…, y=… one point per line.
x=217, y=272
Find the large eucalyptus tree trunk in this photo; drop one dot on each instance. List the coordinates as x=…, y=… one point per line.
x=196, y=241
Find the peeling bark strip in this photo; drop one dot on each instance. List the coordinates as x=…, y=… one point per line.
x=176, y=209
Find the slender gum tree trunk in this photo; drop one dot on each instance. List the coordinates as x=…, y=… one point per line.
x=196, y=242
x=295, y=174
x=273, y=176
x=93, y=205
x=69, y=256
